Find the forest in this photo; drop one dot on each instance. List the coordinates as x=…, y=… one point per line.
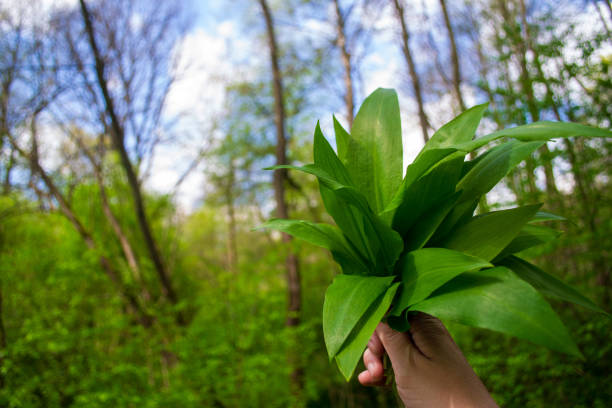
x=134, y=137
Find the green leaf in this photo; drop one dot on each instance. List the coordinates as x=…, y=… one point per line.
x=348, y=218
x=487, y=235
x=322, y=235
x=538, y=131
x=489, y=169
x=459, y=130
x=425, y=270
x=374, y=150
x=325, y=236
x=548, y=284
x=399, y=323
x=384, y=244
x=342, y=140
x=546, y=216
x=529, y=236
x=414, y=171
x=496, y=299
x=425, y=227
x=493, y=167
x=346, y=300
x=326, y=159
x=350, y=353
x=426, y=193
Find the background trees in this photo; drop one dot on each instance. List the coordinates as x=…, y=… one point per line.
x=113, y=293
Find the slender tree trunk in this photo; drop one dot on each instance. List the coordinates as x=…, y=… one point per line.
x=601, y=17
x=4, y=101
x=589, y=212
x=2, y=339
x=232, y=250
x=131, y=300
x=118, y=138
x=6, y=183
x=534, y=111
x=483, y=207
x=416, y=83
x=518, y=48
x=601, y=261
x=484, y=74
x=126, y=246
x=454, y=57
x=349, y=99
x=280, y=176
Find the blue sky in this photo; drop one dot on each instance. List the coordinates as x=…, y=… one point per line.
x=224, y=44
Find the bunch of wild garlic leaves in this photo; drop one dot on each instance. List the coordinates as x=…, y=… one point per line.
x=414, y=244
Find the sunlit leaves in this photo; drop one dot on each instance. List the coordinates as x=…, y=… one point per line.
x=547, y=284
x=347, y=299
x=350, y=354
x=425, y=270
x=374, y=148
x=415, y=244
x=496, y=299
x=487, y=235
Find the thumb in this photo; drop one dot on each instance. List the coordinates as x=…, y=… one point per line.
x=392, y=340
x=398, y=345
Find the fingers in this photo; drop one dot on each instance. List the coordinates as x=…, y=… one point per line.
x=372, y=359
x=392, y=341
x=375, y=346
x=429, y=334
x=365, y=378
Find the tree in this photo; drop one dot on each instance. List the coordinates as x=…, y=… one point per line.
x=414, y=76
x=280, y=178
x=118, y=138
x=341, y=41
x=454, y=57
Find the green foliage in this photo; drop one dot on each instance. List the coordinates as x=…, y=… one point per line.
x=352, y=350
x=438, y=195
x=347, y=299
x=373, y=154
x=497, y=299
x=425, y=270
x=487, y=235
x=547, y=284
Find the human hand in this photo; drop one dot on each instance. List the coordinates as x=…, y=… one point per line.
x=430, y=369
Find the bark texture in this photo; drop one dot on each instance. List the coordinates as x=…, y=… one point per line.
x=349, y=99
x=454, y=57
x=414, y=76
x=118, y=139
x=280, y=177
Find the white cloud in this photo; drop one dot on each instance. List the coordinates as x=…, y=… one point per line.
x=207, y=64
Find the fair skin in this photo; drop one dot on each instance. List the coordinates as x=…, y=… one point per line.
x=430, y=369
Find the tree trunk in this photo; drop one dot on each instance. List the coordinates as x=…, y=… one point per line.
x=280, y=176
x=532, y=105
x=509, y=29
x=118, y=138
x=454, y=56
x=232, y=250
x=483, y=207
x=126, y=246
x=604, y=23
x=6, y=183
x=607, y=3
x=484, y=74
x=131, y=301
x=589, y=212
x=416, y=83
x=2, y=339
x=349, y=99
